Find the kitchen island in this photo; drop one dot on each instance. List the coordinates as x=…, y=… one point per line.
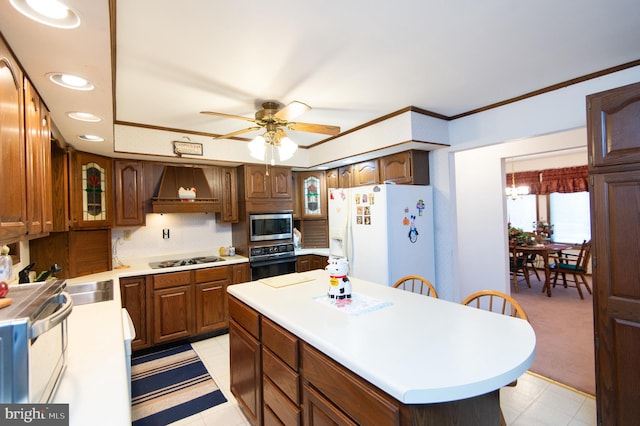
x=420, y=357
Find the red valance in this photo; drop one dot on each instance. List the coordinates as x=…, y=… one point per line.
x=543, y=182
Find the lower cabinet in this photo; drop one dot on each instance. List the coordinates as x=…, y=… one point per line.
x=245, y=360
x=177, y=305
x=172, y=307
x=133, y=292
x=309, y=262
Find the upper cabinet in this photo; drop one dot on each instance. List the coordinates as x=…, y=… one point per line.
x=38, y=165
x=332, y=178
x=366, y=173
x=265, y=182
x=312, y=194
x=13, y=208
x=129, y=193
x=408, y=168
x=614, y=127
x=90, y=192
x=229, y=194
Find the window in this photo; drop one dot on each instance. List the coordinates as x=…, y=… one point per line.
x=570, y=216
x=522, y=212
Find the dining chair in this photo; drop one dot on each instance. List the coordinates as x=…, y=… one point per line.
x=518, y=265
x=500, y=303
x=416, y=284
x=574, y=264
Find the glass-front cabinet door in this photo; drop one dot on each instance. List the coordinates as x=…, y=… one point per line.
x=313, y=193
x=91, y=191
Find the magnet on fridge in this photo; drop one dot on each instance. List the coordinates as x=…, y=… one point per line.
x=420, y=207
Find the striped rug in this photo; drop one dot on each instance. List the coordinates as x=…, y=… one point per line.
x=170, y=385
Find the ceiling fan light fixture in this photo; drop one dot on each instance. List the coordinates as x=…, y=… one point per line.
x=257, y=148
x=286, y=148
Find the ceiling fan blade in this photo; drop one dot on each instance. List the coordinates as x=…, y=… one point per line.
x=315, y=128
x=292, y=111
x=237, y=132
x=221, y=114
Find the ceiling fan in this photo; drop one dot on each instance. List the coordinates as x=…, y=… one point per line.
x=275, y=119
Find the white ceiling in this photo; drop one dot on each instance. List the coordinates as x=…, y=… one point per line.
x=350, y=60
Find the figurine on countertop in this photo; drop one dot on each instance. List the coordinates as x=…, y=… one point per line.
x=340, y=285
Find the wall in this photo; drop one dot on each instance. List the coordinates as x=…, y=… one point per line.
x=189, y=232
x=469, y=177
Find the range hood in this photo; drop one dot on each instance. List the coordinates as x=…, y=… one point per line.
x=184, y=190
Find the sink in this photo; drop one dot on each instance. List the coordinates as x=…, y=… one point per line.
x=97, y=291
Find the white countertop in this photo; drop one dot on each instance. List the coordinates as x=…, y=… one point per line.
x=318, y=251
x=418, y=349
x=95, y=381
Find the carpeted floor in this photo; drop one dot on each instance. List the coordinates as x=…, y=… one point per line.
x=563, y=324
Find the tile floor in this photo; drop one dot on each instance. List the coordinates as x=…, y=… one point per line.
x=534, y=401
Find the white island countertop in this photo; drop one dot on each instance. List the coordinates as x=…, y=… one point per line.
x=416, y=348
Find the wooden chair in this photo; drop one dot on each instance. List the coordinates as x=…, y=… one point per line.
x=416, y=284
x=518, y=265
x=495, y=301
x=575, y=265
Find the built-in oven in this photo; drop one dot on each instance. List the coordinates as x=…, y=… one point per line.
x=33, y=333
x=271, y=260
x=270, y=226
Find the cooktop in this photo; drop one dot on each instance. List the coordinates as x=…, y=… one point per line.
x=184, y=262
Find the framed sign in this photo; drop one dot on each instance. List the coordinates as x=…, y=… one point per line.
x=189, y=148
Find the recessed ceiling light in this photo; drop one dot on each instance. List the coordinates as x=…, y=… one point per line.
x=48, y=12
x=84, y=116
x=70, y=81
x=91, y=138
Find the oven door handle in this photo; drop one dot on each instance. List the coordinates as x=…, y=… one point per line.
x=45, y=324
x=272, y=261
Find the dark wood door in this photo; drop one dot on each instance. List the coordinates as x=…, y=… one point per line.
x=129, y=193
x=133, y=292
x=614, y=148
x=246, y=371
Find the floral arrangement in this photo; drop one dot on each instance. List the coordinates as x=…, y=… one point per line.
x=519, y=237
x=543, y=229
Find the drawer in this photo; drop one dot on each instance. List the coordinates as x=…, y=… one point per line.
x=279, y=404
x=281, y=375
x=212, y=274
x=351, y=393
x=171, y=279
x=280, y=342
x=245, y=316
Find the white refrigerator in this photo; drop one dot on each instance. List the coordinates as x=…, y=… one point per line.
x=385, y=231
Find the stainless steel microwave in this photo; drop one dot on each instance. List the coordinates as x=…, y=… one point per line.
x=270, y=226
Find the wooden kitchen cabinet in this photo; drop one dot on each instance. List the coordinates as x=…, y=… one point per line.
x=245, y=359
x=210, y=298
x=38, y=164
x=345, y=177
x=408, y=168
x=613, y=132
x=229, y=188
x=312, y=193
x=241, y=273
x=133, y=294
x=281, y=393
x=78, y=253
x=332, y=178
x=366, y=173
x=13, y=208
x=173, y=308
x=129, y=192
x=277, y=184
x=90, y=192
x=309, y=262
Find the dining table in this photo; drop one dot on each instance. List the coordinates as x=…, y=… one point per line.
x=545, y=251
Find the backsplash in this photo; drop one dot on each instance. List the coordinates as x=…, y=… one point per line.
x=192, y=232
